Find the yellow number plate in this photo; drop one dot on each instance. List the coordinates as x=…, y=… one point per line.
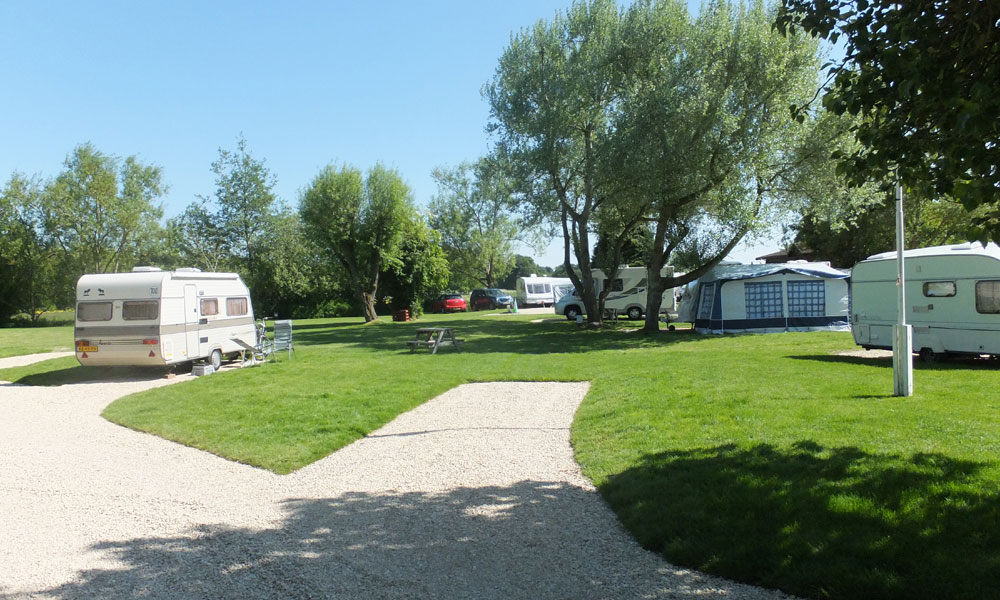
x=86, y=348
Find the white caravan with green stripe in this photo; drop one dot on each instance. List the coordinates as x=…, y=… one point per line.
x=152, y=317
x=952, y=299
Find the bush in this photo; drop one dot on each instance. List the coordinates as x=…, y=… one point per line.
x=326, y=310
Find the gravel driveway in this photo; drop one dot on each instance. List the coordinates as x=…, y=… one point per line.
x=474, y=494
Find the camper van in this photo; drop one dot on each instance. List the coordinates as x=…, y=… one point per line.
x=771, y=298
x=153, y=317
x=627, y=295
x=540, y=291
x=952, y=299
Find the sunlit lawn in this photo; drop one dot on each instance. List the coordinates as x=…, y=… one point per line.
x=15, y=341
x=769, y=459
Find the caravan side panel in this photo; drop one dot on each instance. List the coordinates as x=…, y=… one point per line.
x=950, y=299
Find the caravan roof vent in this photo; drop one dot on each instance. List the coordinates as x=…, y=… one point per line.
x=146, y=269
x=534, y=275
x=189, y=270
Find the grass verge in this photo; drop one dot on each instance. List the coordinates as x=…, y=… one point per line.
x=767, y=459
x=32, y=340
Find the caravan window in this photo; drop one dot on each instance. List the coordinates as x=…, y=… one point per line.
x=939, y=289
x=539, y=288
x=236, y=306
x=988, y=297
x=93, y=311
x=140, y=310
x=763, y=300
x=209, y=307
x=617, y=285
x=806, y=298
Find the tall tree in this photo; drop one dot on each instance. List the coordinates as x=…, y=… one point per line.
x=26, y=253
x=99, y=208
x=199, y=237
x=924, y=78
x=247, y=208
x=552, y=101
x=472, y=213
x=710, y=138
x=422, y=268
x=359, y=221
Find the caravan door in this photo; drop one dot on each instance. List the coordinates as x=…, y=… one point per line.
x=191, y=320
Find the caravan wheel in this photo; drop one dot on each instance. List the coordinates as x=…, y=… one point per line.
x=928, y=356
x=635, y=313
x=215, y=359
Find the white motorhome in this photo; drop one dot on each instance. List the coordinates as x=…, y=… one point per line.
x=952, y=299
x=154, y=317
x=627, y=296
x=540, y=291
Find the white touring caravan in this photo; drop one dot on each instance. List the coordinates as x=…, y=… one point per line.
x=153, y=317
x=952, y=299
x=794, y=296
x=627, y=296
x=540, y=291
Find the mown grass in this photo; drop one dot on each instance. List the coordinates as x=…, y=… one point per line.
x=16, y=341
x=768, y=459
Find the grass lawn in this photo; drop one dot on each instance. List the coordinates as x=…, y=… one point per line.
x=15, y=341
x=768, y=459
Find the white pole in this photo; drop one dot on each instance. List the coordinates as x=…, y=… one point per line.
x=902, y=334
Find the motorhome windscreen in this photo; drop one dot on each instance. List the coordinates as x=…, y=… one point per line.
x=140, y=310
x=93, y=311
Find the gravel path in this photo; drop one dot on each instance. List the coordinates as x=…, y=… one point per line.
x=474, y=494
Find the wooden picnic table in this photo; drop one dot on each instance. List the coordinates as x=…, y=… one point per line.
x=434, y=338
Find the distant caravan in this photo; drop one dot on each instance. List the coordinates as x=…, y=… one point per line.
x=540, y=291
x=153, y=317
x=952, y=299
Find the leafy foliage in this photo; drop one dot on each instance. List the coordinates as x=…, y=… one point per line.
x=25, y=251
x=924, y=78
x=872, y=229
x=359, y=221
x=99, y=209
x=472, y=213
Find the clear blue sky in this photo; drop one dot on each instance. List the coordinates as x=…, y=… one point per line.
x=307, y=83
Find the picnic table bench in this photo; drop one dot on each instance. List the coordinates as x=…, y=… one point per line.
x=433, y=338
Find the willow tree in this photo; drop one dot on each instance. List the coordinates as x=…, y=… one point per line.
x=552, y=102
x=711, y=142
x=472, y=212
x=359, y=222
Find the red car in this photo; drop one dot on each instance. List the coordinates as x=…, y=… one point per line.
x=448, y=303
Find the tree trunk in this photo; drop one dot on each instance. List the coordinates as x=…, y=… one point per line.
x=654, y=294
x=368, y=304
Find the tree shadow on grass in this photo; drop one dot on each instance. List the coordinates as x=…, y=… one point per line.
x=822, y=523
x=527, y=540
x=486, y=335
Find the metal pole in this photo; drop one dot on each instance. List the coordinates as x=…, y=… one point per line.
x=902, y=334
